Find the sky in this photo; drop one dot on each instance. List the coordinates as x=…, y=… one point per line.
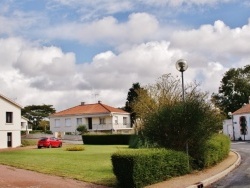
x=64, y=52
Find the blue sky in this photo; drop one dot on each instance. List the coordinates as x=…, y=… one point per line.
x=61, y=49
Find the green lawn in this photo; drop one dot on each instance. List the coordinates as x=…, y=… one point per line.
x=91, y=165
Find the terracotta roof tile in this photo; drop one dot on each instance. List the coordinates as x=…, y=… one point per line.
x=243, y=110
x=97, y=108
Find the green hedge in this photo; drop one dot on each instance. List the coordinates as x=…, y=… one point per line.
x=215, y=150
x=113, y=139
x=141, y=167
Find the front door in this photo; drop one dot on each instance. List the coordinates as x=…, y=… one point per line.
x=90, y=123
x=9, y=139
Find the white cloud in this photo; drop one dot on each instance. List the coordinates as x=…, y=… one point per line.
x=141, y=51
x=140, y=27
x=217, y=41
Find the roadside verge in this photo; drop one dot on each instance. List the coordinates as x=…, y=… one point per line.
x=205, y=177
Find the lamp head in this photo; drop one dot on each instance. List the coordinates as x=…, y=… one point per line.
x=181, y=65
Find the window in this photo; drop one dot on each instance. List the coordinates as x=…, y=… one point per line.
x=79, y=121
x=125, y=120
x=67, y=122
x=9, y=117
x=102, y=121
x=116, y=120
x=57, y=122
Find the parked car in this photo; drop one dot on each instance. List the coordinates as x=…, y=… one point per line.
x=49, y=142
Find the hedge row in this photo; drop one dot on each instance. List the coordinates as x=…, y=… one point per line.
x=141, y=167
x=113, y=139
x=216, y=149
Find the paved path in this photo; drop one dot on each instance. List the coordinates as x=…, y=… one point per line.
x=11, y=177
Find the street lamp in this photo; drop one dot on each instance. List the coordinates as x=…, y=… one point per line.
x=34, y=122
x=231, y=115
x=181, y=65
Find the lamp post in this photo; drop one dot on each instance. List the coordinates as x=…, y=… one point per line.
x=231, y=115
x=34, y=121
x=181, y=65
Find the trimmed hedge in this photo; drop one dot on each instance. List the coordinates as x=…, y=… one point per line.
x=141, y=167
x=215, y=150
x=112, y=139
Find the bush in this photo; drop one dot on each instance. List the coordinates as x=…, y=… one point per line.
x=26, y=142
x=215, y=150
x=141, y=167
x=48, y=132
x=75, y=148
x=112, y=139
x=82, y=129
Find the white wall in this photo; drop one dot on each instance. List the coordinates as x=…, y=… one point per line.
x=14, y=127
x=109, y=122
x=236, y=119
x=228, y=128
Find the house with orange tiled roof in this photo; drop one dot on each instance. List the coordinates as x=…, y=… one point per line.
x=238, y=128
x=96, y=117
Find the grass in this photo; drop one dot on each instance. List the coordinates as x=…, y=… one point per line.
x=91, y=165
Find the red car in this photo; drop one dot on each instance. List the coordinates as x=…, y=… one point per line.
x=49, y=142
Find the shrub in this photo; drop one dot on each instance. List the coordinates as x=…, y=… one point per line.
x=26, y=142
x=168, y=121
x=75, y=148
x=48, y=132
x=82, y=129
x=141, y=167
x=112, y=139
x=215, y=150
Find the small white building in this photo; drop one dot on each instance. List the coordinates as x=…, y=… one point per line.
x=10, y=118
x=96, y=117
x=25, y=125
x=240, y=121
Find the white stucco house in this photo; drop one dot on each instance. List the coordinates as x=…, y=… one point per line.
x=235, y=127
x=10, y=118
x=96, y=117
x=25, y=125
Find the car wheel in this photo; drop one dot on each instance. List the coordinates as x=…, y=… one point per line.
x=60, y=145
x=39, y=147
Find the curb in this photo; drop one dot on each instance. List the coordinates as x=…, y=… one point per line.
x=218, y=176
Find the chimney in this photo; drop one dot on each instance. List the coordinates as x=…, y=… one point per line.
x=82, y=103
x=99, y=102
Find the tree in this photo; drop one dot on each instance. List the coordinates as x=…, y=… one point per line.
x=234, y=90
x=168, y=121
x=82, y=129
x=132, y=96
x=36, y=113
x=44, y=124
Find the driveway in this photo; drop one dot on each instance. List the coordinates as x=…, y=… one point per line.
x=19, y=178
x=16, y=178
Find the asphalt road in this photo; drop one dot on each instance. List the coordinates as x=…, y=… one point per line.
x=240, y=177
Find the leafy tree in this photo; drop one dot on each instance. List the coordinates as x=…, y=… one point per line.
x=234, y=90
x=167, y=121
x=36, y=113
x=82, y=129
x=132, y=96
x=44, y=124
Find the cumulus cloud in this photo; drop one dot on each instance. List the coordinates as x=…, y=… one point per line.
x=140, y=27
x=141, y=51
x=218, y=41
